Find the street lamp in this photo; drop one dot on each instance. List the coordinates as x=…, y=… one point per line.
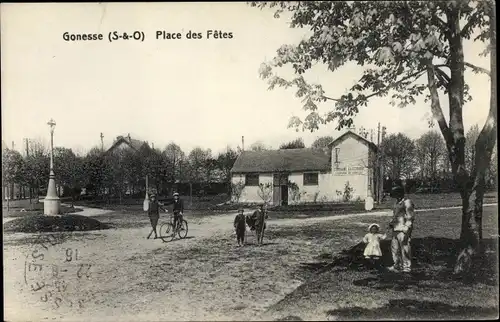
x=146, y=198
x=51, y=204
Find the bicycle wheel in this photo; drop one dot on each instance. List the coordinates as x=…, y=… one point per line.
x=166, y=231
x=183, y=231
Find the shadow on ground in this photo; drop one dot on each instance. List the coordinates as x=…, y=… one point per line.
x=413, y=309
x=169, y=240
x=346, y=287
x=433, y=260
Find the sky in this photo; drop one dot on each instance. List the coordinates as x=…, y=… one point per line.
x=194, y=92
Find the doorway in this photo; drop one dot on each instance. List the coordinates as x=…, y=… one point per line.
x=284, y=195
x=280, y=189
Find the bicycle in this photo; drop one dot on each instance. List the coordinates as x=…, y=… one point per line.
x=167, y=232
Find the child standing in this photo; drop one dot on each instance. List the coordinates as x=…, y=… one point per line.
x=372, y=239
x=240, y=226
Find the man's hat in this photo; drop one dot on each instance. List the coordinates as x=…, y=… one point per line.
x=373, y=225
x=153, y=195
x=176, y=194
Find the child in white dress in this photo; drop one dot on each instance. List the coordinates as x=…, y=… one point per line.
x=372, y=239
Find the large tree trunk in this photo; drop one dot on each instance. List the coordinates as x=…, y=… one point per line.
x=471, y=191
x=471, y=234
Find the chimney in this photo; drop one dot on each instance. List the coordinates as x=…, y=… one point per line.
x=242, y=143
x=129, y=139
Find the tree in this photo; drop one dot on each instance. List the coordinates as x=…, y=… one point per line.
x=98, y=172
x=430, y=149
x=363, y=132
x=153, y=164
x=399, y=156
x=123, y=171
x=12, y=170
x=492, y=174
x=237, y=190
x=37, y=165
x=470, y=153
x=174, y=158
x=225, y=162
x=470, y=149
x=407, y=47
x=200, y=164
x=69, y=172
x=258, y=146
x=265, y=192
x=322, y=142
x=295, y=144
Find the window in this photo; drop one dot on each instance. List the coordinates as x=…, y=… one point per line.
x=310, y=179
x=252, y=179
x=337, y=151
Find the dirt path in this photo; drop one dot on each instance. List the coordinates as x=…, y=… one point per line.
x=111, y=254
x=120, y=275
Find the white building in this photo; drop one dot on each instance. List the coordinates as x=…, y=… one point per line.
x=307, y=175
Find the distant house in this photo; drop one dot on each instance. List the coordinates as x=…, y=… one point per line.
x=126, y=142
x=307, y=175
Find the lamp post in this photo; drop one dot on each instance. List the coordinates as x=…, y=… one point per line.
x=51, y=204
x=146, y=198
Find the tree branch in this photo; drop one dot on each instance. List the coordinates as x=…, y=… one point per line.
x=331, y=99
x=444, y=26
x=478, y=69
x=437, y=112
x=471, y=20
x=386, y=88
x=442, y=76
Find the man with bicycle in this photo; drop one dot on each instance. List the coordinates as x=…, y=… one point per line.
x=178, y=210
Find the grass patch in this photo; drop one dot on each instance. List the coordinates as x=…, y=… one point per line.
x=203, y=207
x=37, y=211
x=41, y=223
x=343, y=286
x=438, y=200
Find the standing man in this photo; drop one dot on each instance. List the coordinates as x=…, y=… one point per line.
x=240, y=227
x=154, y=214
x=260, y=222
x=402, y=227
x=178, y=209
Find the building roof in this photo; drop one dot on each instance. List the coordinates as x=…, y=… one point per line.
x=133, y=143
x=292, y=160
x=347, y=134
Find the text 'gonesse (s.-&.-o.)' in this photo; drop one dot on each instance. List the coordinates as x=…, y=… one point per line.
x=137, y=35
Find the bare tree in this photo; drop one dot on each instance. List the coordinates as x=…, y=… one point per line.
x=265, y=192
x=399, y=152
x=322, y=142
x=430, y=152
x=258, y=146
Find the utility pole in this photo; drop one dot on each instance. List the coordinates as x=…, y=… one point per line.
x=102, y=142
x=378, y=166
x=381, y=168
